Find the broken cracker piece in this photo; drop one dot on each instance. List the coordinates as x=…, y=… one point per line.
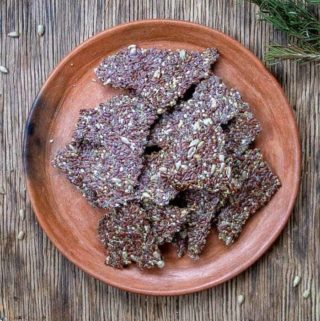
x=106, y=177
x=152, y=187
x=122, y=118
x=104, y=159
x=242, y=130
x=159, y=75
x=195, y=159
x=212, y=104
x=258, y=188
x=166, y=221
x=126, y=233
x=205, y=206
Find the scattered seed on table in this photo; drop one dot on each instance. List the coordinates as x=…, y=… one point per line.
x=40, y=30
x=14, y=34
x=22, y=214
x=240, y=299
x=4, y=69
x=51, y=141
x=306, y=293
x=21, y=235
x=296, y=280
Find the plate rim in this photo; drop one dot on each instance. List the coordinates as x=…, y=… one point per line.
x=187, y=290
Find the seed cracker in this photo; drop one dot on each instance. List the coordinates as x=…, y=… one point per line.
x=211, y=104
x=159, y=75
x=242, y=130
x=104, y=159
x=260, y=185
x=180, y=241
x=195, y=159
x=205, y=206
x=192, y=238
x=126, y=233
x=122, y=117
x=152, y=187
x=166, y=221
x=106, y=177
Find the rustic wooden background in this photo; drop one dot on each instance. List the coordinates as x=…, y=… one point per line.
x=37, y=283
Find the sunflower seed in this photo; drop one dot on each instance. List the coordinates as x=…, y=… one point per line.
x=14, y=34
x=160, y=111
x=191, y=152
x=146, y=195
x=180, y=123
x=213, y=103
x=4, y=70
x=178, y=165
x=133, y=49
x=125, y=140
x=156, y=255
x=116, y=180
x=228, y=171
x=22, y=214
x=306, y=293
x=157, y=73
x=240, y=299
x=182, y=54
x=154, y=177
x=207, y=121
x=296, y=280
x=195, y=142
x=40, y=30
x=160, y=264
x=20, y=235
x=196, y=126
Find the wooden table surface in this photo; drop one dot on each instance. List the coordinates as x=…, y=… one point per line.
x=38, y=283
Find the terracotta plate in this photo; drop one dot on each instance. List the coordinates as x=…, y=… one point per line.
x=70, y=222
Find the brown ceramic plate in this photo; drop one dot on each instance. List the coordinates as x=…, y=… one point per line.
x=70, y=222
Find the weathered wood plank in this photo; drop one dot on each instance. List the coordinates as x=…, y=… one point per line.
x=37, y=283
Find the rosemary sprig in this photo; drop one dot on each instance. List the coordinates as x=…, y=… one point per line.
x=292, y=52
x=298, y=21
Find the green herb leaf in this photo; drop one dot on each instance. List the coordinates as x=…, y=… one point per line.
x=298, y=21
x=291, y=52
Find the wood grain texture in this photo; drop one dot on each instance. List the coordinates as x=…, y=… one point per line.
x=37, y=283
